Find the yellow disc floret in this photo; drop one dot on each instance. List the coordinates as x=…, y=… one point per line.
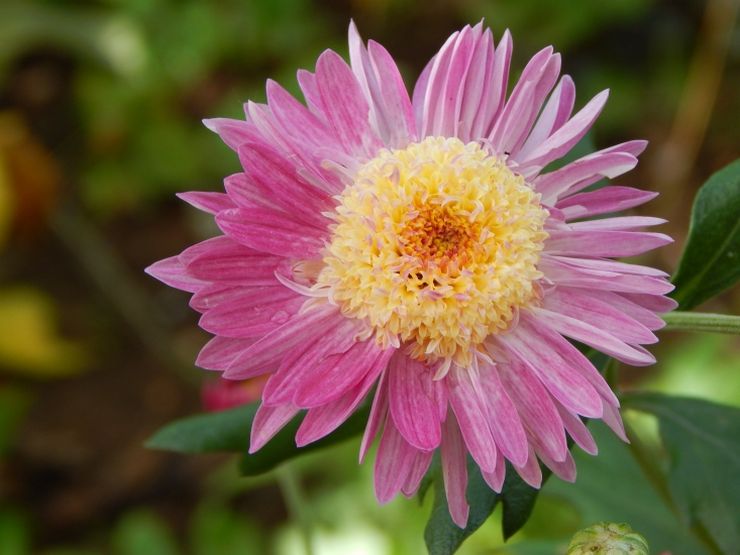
x=436, y=246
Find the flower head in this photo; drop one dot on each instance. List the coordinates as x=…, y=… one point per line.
x=608, y=538
x=419, y=253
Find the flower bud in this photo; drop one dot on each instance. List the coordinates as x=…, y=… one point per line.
x=608, y=538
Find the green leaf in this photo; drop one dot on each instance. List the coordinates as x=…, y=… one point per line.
x=702, y=440
x=143, y=532
x=711, y=259
x=518, y=499
x=225, y=431
x=442, y=535
x=229, y=431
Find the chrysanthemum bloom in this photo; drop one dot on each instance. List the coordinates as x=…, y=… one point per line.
x=421, y=253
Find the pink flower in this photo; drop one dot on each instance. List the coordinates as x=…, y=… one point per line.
x=220, y=394
x=422, y=248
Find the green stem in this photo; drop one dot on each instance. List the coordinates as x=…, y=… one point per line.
x=702, y=321
x=647, y=462
x=293, y=495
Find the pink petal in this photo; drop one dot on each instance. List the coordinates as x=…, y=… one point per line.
x=562, y=381
x=531, y=472
x=222, y=260
x=565, y=470
x=602, y=201
x=267, y=422
x=265, y=353
x=594, y=337
x=656, y=303
x=172, y=272
x=270, y=231
x=253, y=313
x=578, y=431
x=470, y=408
x=378, y=412
x=455, y=472
x=209, y=202
x=555, y=113
x=331, y=378
x=535, y=406
x=621, y=223
x=416, y=473
x=393, y=462
x=233, y=132
x=495, y=479
x=220, y=352
x=475, y=107
x=604, y=243
x=506, y=425
x=612, y=419
x=346, y=109
x=413, y=402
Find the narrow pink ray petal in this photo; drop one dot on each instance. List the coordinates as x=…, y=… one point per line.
x=476, y=88
x=209, y=202
x=556, y=112
x=588, y=169
x=506, y=426
x=214, y=294
x=244, y=193
x=568, y=135
x=220, y=352
x=271, y=232
x=434, y=90
x=556, y=373
x=612, y=267
x=565, y=470
x=277, y=179
x=267, y=422
x=470, y=408
x=604, y=243
x=594, y=337
x=393, y=463
x=587, y=307
x=347, y=111
x=499, y=82
x=378, y=413
x=322, y=420
x=233, y=132
x=269, y=350
x=418, y=470
x=602, y=201
x=332, y=377
x=642, y=315
x=578, y=431
x=495, y=479
x=413, y=401
x=455, y=472
x=254, y=313
x=531, y=472
x=173, y=272
x=656, y=303
x=613, y=419
x=227, y=261
x=296, y=366
x=536, y=409
x=621, y=223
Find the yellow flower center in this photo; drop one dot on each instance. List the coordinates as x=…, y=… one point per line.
x=435, y=246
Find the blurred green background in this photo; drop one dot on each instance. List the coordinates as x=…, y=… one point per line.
x=100, y=109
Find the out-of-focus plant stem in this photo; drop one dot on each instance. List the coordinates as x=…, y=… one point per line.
x=701, y=321
x=290, y=487
x=655, y=475
x=110, y=275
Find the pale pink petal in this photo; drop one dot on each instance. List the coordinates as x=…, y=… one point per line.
x=621, y=223
x=578, y=431
x=414, y=402
x=651, y=301
x=174, y=273
x=604, y=243
x=613, y=419
x=378, y=412
x=267, y=422
x=602, y=201
x=594, y=337
x=455, y=472
x=531, y=472
x=556, y=112
x=417, y=472
x=206, y=201
x=475, y=111
x=506, y=425
x=393, y=463
x=565, y=470
x=495, y=479
x=233, y=132
x=469, y=405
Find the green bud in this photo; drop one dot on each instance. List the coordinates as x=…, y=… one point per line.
x=608, y=538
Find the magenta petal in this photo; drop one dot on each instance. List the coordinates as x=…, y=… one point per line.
x=271, y=232
x=267, y=422
x=269, y=350
x=417, y=472
x=455, y=472
x=578, y=431
x=413, y=402
x=220, y=352
x=495, y=479
x=393, y=462
x=613, y=419
x=531, y=472
x=233, y=132
x=565, y=470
